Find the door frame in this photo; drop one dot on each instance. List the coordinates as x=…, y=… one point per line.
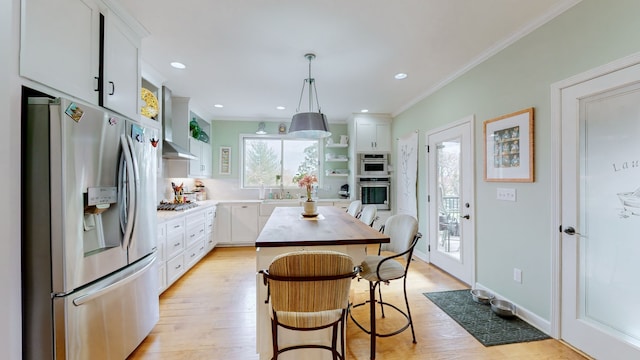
x=470, y=237
x=556, y=171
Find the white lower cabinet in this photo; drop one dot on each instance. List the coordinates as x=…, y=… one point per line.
x=194, y=253
x=183, y=240
x=210, y=238
x=237, y=223
x=162, y=259
x=175, y=268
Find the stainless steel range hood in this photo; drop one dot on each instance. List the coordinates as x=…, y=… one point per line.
x=174, y=151
x=171, y=150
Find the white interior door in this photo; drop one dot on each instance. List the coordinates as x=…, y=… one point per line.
x=600, y=215
x=450, y=189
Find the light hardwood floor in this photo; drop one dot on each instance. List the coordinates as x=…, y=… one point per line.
x=210, y=314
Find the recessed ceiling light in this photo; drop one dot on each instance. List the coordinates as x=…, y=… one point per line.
x=178, y=65
x=218, y=105
x=280, y=107
x=364, y=110
x=400, y=76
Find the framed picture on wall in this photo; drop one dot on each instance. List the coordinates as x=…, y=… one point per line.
x=225, y=160
x=508, y=148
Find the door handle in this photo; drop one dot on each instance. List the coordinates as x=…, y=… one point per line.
x=113, y=88
x=571, y=231
x=466, y=217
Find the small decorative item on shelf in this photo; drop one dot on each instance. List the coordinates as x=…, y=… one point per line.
x=307, y=181
x=195, y=128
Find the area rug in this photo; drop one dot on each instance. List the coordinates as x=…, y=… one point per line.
x=478, y=319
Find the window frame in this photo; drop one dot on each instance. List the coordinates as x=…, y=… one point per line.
x=282, y=139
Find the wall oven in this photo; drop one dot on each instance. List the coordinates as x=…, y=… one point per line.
x=375, y=191
x=373, y=164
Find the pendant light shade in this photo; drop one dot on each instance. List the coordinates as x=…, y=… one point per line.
x=309, y=124
x=261, y=130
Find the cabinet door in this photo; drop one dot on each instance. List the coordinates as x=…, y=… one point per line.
x=222, y=228
x=383, y=138
x=244, y=224
x=205, y=160
x=121, y=80
x=59, y=45
x=195, y=166
x=366, y=136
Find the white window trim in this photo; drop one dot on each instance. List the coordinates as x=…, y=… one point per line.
x=279, y=137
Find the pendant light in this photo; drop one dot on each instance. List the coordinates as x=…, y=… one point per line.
x=309, y=124
x=261, y=130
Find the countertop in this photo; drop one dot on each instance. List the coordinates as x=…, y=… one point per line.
x=287, y=227
x=164, y=215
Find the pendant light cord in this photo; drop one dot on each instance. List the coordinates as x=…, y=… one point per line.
x=311, y=82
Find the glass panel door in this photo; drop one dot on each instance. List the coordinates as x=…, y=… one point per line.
x=601, y=215
x=450, y=188
x=448, y=199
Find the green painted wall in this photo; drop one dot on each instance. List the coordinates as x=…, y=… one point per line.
x=518, y=234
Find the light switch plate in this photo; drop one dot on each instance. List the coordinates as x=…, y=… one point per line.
x=506, y=194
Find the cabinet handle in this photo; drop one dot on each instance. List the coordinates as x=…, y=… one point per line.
x=176, y=226
x=113, y=88
x=192, y=235
x=178, y=267
x=176, y=244
x=97, y=83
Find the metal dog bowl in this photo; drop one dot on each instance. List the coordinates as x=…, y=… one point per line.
x=481, y=296
x=503, y=308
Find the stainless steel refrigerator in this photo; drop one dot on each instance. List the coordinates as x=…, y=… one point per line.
x=90, y=279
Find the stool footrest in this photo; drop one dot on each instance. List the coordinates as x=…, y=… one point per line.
x=368, y=331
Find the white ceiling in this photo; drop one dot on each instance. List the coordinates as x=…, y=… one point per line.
x=249, y=54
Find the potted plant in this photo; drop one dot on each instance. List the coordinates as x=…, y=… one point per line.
x=306, y=182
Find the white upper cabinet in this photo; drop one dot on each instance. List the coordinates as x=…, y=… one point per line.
x=121, y=64
x=60, y=45
x=372, y=133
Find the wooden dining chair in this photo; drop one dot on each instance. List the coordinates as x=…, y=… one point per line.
x=307, y=291
x=378, y=269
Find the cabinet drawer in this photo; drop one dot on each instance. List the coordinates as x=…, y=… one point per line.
x=194, y=253
x=175, y=268
x=196, y=218
x=210, y=220
x=175, y=226
x=175, y=244
x=195, y=232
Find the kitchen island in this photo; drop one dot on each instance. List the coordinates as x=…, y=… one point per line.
x=287, y=230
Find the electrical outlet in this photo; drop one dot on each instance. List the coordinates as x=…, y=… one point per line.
x=517, y=275
x=506, y=194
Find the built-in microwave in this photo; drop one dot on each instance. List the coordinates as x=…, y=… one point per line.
x=373, y=164
x=374, y=191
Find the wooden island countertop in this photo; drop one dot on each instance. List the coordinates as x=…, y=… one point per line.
x=333, y=226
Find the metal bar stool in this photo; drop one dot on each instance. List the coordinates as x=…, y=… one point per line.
x=377, y=269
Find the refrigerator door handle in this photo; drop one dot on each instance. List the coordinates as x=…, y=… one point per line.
x=135, y=181
x=112, y=284
x=128, y=160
